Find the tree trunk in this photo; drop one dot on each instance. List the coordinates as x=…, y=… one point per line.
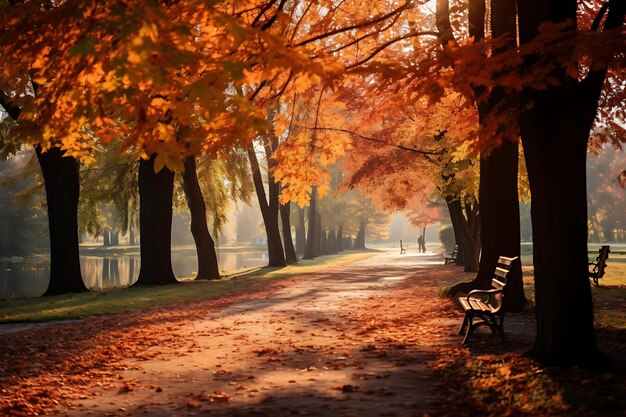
x=499, y=200
x=340, y=238
x=115, y=238
x=318, y=233
x=155, y=224
x=499, y=219
x=359, y=243
x=205, y=246
x=290, y=252
x=499, y=223
x=106, y=237
x=468, y=250
x=332, y=246
x=555, y=158
x=323, y=242
x=555, y=130
x=61, y=181
x=269, y=211
x=311, y=239
x=300, y=233
x=131, y=236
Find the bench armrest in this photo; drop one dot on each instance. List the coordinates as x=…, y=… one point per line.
x=488, y=293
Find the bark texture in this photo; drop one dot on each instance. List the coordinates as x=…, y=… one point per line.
x=312, y=242
x=155, y=224
x=62, y=190
x=269, y=208
x=469, y=246
x=555, y=131
x=290, y=252
x=208, y=267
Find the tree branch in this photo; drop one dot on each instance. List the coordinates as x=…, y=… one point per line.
x=377, y=140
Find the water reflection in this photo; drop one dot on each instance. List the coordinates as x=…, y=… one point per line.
x=29, y=278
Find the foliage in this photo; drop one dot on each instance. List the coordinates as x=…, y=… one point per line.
x=446, y=236
x=157, y=75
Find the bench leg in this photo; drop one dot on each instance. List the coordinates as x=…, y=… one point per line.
x=463, y=324
x=470, y=326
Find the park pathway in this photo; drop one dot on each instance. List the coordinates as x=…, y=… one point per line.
x=363, y=339
x=321, y=346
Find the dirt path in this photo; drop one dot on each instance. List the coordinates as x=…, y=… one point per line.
x=361, y=340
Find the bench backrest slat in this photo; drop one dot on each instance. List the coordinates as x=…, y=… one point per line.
x=501, y=272
x=497, y=284
x=499, y=280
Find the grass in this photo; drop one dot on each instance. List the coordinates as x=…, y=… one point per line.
x=609, y=298
x=72, y=306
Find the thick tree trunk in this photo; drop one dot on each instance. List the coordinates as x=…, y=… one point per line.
x=499, y=200
x=500, y=227
x=290, y=252
x=555, y=130
x=300, y=233
x=269, y=211
x=565, y=329
x=106, y=237
x=155, y=224
x=499, y=205
x=205, y=246
x=311, y=239
x=499, y=223
x=61, y=181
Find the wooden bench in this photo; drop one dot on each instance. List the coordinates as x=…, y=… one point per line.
x=596, y=268
x=487, y=305
x=451, y=259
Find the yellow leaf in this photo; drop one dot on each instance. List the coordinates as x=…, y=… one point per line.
x=159, y=164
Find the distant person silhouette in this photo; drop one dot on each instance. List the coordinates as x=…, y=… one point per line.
x=421, y=244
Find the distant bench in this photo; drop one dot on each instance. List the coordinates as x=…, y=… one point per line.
x=451, y=258
x=596, y=268
x=486, y=305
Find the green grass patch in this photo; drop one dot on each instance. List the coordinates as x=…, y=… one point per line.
x=121, y=300
x=609, y=298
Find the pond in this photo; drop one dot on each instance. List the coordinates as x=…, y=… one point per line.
x=29, y=277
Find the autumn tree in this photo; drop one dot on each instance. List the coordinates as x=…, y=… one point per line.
x=499, y=202
x=156, y=75
x=209, y=188
x=558, y=70
x=555, y=131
